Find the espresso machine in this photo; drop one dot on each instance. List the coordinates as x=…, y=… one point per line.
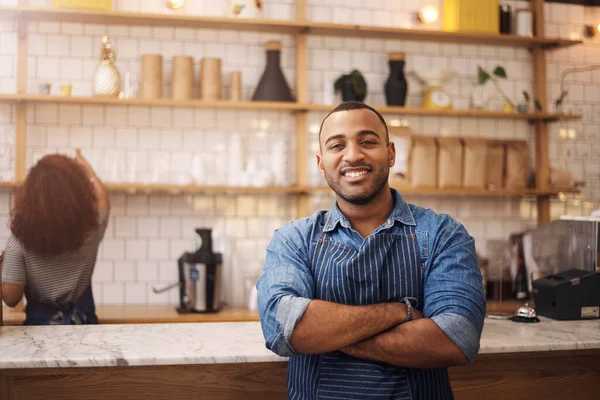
x=200, y=277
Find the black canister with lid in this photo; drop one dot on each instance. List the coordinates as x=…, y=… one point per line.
x=396, y=87
x=272, y=85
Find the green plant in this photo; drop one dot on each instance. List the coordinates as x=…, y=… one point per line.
x=483, y=76
x=538, y=105
x=359, y=85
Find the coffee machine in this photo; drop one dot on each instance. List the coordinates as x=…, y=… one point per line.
x=200, y=277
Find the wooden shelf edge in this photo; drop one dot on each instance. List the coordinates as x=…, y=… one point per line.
x=373, y=31
x=457, y=113
x=174, y=188
x=279, y=26
x=9, y=185
x=457, y=191
x=277, y=106
x=151, y=19
x=190, y=189
x=164, y=102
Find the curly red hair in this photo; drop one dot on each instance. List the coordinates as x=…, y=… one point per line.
x=55, y=208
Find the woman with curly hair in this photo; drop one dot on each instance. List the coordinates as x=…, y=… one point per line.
x=58, y=221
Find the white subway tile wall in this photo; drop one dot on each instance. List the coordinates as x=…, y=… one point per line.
x=147, y=233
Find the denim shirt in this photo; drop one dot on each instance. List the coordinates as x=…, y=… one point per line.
x=452, y=285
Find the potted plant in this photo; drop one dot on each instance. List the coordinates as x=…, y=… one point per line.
x=353, y=86
x=484, y=76
x=525, y=105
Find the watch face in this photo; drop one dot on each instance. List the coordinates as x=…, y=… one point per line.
x=440, y=99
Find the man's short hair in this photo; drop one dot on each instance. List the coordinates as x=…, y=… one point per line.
x=355, y=105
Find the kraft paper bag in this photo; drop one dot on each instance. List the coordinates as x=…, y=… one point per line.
x=517, y=165
x=474, y=162
x=423, y=162
x=450, y=165
x=400, y=172
x=494, y=177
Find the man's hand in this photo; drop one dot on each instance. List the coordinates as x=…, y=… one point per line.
x=327, y=326
x=419, y=343
x=358, y=348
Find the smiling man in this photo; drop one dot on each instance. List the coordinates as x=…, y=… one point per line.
x=376, y=297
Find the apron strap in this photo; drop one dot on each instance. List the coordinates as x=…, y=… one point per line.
x=79, y=312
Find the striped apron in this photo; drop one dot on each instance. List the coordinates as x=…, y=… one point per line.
x=79, y=312
x=386, y=268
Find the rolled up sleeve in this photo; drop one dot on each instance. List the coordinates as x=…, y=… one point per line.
x=453, y=291
x=285, y=289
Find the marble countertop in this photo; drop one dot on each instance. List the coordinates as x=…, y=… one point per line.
x=238, y=342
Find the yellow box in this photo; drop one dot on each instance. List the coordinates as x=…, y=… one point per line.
x=103, y=5
x=474, y=16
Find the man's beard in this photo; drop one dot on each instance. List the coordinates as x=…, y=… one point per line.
x=346, y=192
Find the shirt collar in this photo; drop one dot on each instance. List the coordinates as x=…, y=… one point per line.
x=401, y=213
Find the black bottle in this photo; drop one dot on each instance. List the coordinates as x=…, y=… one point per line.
x=272, y=85
x=520, y=289
x=396, y=87
x=505, y=19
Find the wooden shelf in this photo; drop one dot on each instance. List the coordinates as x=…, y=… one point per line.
x=164, y=102
x=277, y=106
x=8, y=185
x=277, y=26
x=459, y=113
x=461, y=192
x=149, y=19
x=380, y=32
x=174, y=188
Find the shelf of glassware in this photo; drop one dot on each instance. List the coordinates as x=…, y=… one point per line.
x=277, y=106
x=278, y=26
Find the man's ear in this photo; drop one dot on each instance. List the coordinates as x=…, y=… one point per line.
x=392, y=154
x=320, y=164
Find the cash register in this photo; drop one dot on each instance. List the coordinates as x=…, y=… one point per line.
x=565, y=256
x=569, y=295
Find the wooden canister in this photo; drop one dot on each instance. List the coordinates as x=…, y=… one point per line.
x=152, y=74
x=396, y=56
x=235, y=89
x=210, y=79
x=182, y=78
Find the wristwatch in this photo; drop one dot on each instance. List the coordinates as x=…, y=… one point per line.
x=409, y=309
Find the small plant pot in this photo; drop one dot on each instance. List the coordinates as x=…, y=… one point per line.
x=523, y=108
x=348, y=92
